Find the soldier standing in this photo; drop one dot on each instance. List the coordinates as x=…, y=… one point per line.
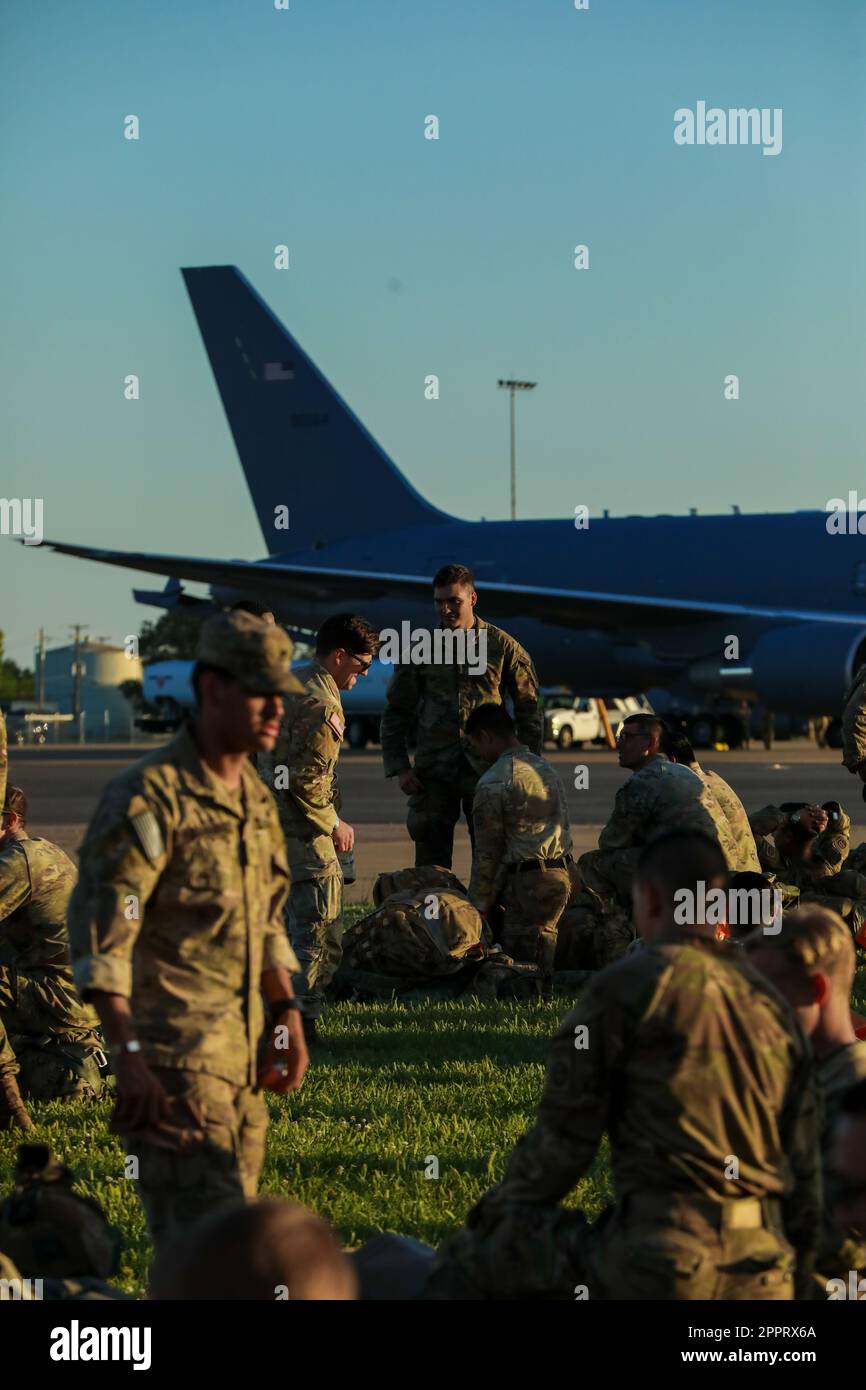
x=713, y=1198
x=522, y=840
x=177, y=932
x=435, y=701
x=305, y=780
x=56, y=1039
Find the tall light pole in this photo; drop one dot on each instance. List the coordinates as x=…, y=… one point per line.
x=512, y=387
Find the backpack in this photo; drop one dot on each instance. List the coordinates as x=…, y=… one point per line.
x=50, y=1231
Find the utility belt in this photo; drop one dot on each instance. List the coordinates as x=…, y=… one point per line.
x=528, y=866
x=728, y=1214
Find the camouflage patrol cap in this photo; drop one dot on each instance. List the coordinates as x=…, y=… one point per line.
x=256, y=653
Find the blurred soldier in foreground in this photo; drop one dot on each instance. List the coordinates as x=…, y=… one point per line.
x=811, y=962
x=854, y=726
x=3, y=759
x=435, y=700
x=714, y=1198
x=305, y=782
x=262, y=762
x=848, y=1166
x=805, y=847
x=45, y=1030
x=267, y=1250
x=177, y=930
x=678, y=748
x=522, y=840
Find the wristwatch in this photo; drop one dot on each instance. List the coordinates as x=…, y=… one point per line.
x=131, y=1045
x=279, y=1006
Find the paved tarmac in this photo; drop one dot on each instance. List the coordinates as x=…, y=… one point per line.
x=64, y=782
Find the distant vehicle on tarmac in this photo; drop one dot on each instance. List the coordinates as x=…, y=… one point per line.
x=574, y=722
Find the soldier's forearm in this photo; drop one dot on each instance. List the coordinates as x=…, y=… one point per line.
x=277, y=984
x=115, y=1015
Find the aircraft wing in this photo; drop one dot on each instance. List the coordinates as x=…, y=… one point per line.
x=567, y=607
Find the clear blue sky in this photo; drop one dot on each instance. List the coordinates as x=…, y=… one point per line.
x=412, y=256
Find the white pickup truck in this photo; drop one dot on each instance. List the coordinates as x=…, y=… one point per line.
x=577, y=722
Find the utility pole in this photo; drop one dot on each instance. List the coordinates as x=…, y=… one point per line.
x=76, y=671
x=512, y=387
x=40, y=693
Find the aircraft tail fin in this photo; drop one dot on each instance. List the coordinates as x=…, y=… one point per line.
x=300, y=445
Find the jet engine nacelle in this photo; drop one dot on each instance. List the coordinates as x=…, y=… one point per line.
x=806, y=668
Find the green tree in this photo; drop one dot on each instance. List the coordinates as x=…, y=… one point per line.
x=15, y=682
x=172, y=637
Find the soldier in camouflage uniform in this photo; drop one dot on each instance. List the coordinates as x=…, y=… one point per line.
x=679, y=750
x=176, y=927
x=714, y=1198
x=811, y=962
x=435, y=701
x=854, y=726
x=305, y=782
x=4, y=759
x=45, y=1030
x=805, y=848
x=522, y=840
x=848, y=1165
x=660, y=795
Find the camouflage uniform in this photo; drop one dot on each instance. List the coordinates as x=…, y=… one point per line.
x=44, y=1027
x=522, y=853
x=308, y=747
x=835, y=1074
x=738, y=820
x=827, y=877
x=689, y=1061
x=661, y=796
x=854, y=725
x=179, y=908
x=4, y=760
x=441, y=698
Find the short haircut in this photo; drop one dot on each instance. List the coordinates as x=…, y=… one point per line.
x=812, y=939
x=258, y=1250
x=199, y=670
x=251, y=605
x=453, y=574
x=676, y=744
x=749, y=882
x=491, y=718
x=649, y=724
x=853, y=1102
x=682, y=859
x=15, y=804
x=349, y=631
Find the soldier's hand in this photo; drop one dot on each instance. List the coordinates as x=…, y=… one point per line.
x=141, y=1101
x=410, y=782
x=283, y=1066
x=343, y=837
x=813, y=819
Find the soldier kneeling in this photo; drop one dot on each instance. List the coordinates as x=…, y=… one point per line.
x=49, y=1040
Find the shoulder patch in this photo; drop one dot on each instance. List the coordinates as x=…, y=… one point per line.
x=149, y=835
x=337, y=723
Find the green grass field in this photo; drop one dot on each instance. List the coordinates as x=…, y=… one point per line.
x=394, y=1086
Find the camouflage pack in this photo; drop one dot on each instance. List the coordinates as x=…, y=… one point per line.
x=427, y=878
x=61, y=1069
x=417, y=935
x=48, y=1229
